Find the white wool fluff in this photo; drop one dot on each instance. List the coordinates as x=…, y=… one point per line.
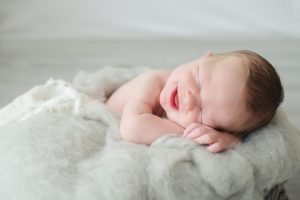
x=59, y=141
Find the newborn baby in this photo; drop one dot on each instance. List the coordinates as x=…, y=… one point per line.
x=215, y=100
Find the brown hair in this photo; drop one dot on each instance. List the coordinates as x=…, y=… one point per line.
x=264, y=92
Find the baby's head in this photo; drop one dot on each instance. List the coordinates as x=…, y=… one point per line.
x=263, y=90
x=235, y=91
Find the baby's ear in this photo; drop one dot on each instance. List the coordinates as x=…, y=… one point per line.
x=208, y=54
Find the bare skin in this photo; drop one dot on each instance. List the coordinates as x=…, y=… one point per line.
x=198, y=100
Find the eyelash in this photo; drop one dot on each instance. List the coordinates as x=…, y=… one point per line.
x=220, y=129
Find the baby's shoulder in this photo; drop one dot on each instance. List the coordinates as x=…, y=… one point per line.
x=148, y=85
x=155, y=75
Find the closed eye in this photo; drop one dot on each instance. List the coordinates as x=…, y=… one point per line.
x=220, y=129
x=224, y=130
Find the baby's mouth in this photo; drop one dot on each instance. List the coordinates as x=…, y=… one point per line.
x=174, y=99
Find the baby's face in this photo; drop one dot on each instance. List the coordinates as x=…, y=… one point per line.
x=209, y=91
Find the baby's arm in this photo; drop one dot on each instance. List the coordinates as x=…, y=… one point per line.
x=138, y=123
x=217, y=141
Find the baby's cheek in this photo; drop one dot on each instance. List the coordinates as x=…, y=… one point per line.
x=195, y=117
x=162, y=99
x=187, y=120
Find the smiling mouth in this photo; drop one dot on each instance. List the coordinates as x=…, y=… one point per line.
x=174, y=99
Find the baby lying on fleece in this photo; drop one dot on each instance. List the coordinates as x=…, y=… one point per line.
x=215, y=100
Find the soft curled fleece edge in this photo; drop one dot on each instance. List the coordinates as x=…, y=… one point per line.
x=59, y=141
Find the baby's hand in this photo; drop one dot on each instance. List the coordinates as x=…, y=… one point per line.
x=217, y=141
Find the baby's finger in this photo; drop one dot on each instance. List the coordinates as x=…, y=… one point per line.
x=205, y=139
x=215, y=148
x=197, y=132
x=190, y=128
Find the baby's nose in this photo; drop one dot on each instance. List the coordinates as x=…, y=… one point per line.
x=190, y=101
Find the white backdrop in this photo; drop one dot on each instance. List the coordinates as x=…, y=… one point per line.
x=93, y=19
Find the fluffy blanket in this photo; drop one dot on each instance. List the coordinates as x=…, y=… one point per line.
x=59, y=141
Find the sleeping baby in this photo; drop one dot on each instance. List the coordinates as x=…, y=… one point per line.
x=215, y=100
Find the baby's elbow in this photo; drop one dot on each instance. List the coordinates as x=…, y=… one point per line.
x=130, y=133
x=127, y=135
